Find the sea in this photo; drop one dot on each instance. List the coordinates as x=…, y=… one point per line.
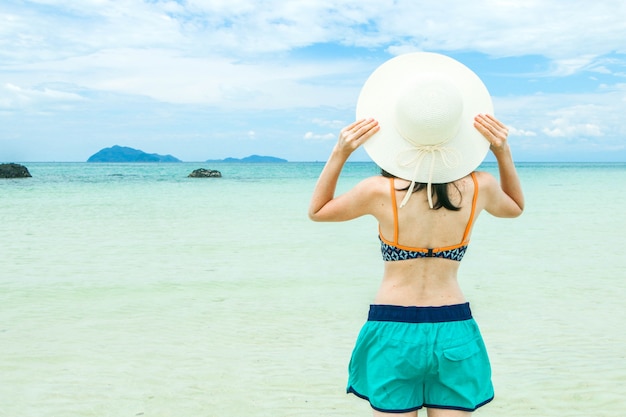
x=129, y=289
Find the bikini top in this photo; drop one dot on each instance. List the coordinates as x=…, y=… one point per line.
x=393, y=251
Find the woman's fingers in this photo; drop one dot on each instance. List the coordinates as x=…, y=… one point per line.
x=492, y=129
x=353, y=135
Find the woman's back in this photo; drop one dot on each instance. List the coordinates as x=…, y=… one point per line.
x=423, y=247
x=419, y=226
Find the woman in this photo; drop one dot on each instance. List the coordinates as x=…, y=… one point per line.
x=420, y=346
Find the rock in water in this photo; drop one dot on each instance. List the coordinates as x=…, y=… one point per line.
x=205, y=173
x=14, y=171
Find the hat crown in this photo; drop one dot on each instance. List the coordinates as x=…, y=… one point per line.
x=421, y=138
x=428, y=111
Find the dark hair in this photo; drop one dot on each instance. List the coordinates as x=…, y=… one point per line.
x=439, y=191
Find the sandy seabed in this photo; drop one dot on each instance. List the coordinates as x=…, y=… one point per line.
x=116, y=318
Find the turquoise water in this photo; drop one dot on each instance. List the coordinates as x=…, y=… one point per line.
x=130, y=289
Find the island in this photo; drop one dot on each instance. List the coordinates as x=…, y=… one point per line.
x=251, y=159
x=125, y=154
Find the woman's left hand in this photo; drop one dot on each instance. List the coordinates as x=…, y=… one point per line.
x=354, y=135
x=493, y=130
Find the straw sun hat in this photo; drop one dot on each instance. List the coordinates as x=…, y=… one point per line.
x=425, y=104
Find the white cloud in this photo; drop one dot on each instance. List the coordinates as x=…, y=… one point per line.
x=16, y=97
x=231, y=52
x=332, y=124
x=565, y=127
x=247, y=28
x=591, y=121
x=236, y=55
x=319, y=137
x=521, y=132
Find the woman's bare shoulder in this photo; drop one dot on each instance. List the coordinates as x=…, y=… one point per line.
x=486, y=181
x=374, y=193
x=375, y=185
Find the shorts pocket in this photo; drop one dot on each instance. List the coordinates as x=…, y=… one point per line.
x=460, y=353
x=465, y=375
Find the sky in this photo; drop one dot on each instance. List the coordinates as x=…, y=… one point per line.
x=210, y=79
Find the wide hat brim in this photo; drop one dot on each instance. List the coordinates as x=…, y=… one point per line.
x=378, y=99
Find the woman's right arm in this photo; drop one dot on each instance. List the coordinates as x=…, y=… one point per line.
x=505, y=199
x=325, y=206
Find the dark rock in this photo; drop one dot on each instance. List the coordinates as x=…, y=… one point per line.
x=205, y=173
x=14, y=171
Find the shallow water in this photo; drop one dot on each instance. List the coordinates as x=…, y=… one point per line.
x=129, y=289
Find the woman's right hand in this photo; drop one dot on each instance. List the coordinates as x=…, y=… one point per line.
x=324, y=205
x=354, y=135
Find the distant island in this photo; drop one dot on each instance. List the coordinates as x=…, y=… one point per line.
x=126, y=154
x=251, y=158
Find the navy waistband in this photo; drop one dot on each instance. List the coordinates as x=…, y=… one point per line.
x=456, y=312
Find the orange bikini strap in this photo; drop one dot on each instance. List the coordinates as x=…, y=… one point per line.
x=473, y=212
x=395, y=210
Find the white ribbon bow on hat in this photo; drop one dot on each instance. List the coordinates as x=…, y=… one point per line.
x=449, y=156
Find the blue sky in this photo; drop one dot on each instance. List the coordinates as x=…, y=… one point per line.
x=209, y=79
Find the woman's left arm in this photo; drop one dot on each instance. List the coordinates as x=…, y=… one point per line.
x=324, y=206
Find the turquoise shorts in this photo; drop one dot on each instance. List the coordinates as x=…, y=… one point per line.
x=407, y=358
